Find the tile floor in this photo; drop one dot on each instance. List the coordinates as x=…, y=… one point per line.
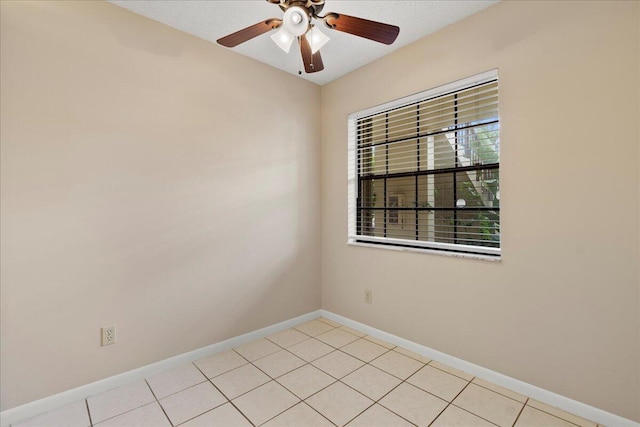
x=317, y=374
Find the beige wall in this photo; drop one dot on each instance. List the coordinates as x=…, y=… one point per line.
x=560, y=310
x=150, y=180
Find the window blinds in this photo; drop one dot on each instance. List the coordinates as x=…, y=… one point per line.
x=425, y=172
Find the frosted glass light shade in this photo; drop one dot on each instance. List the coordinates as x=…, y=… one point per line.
x=295, y=21
x=316, y=39
x=283, y=39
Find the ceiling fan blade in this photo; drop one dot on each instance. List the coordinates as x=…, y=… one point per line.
x=233, y=40
x=312, y=61
x=372, y=30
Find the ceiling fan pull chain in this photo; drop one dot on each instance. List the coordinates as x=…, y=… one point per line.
x=300, y=64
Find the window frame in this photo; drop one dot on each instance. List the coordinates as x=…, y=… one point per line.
x=455, y=249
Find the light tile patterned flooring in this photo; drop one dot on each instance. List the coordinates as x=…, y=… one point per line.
x=317, y=374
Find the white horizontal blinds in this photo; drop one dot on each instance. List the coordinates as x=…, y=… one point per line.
x=400, y=129
x=473, y=104
x=428, y=172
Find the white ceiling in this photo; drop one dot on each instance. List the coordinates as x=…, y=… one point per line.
x=344, y=53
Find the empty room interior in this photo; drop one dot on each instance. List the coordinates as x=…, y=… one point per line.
x=445, y=234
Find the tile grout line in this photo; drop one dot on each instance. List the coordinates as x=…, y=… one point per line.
x=377, y=402
x=304, y=402
x=312, y=360
x=458, y=376
x=314, y=393
x=125, y=412
x=311, y=395
x=234, y=369
x=520, y=413
x=248, y=391
x=337, y=379
x=310, y=363
x=402, y=381
x=344, y=376
x=275, y=379
x=282, y=412
x=502, y=394
x=86, y=403
x=448, y=403
x=563, y=419
x=526, y=403
x=476, y=415
x=306, y=339
x=242, y=413
x=225, y=396
x=488, y=389
x=184, y=389
x=158, y=402
x=384, y=395
x=272, y=378
x=469, y=381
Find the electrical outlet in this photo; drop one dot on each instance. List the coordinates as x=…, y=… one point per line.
x=108, y=335
x=368, y=296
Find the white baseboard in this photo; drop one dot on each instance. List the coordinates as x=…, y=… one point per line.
x=37, y=407
x=46, y=404
x=537, y=393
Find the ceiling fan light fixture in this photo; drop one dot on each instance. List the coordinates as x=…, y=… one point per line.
x=317, y=39
x=283, y=39
x=295, y=21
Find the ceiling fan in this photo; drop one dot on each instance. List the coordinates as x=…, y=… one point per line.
x=297, y=24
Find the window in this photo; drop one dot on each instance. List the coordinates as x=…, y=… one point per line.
x=424, y=170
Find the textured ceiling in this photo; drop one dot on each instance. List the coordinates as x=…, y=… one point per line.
x=344, y=53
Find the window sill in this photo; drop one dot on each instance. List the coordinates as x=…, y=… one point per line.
x=427, y=251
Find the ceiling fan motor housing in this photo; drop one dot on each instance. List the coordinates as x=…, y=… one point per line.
x=313, y=7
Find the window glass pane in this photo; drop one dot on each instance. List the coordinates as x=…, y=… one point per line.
x=444, y=151
x=478, y=188
x=478, y=228
x=426, y=226
x=479, y=145
x=401, y=192
x=401, y=225
x=443, y=194
x=426, y=191
x=366, y=222
x=403, y=156
x=425, y=153
x=372, y=193
x=444, y=227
